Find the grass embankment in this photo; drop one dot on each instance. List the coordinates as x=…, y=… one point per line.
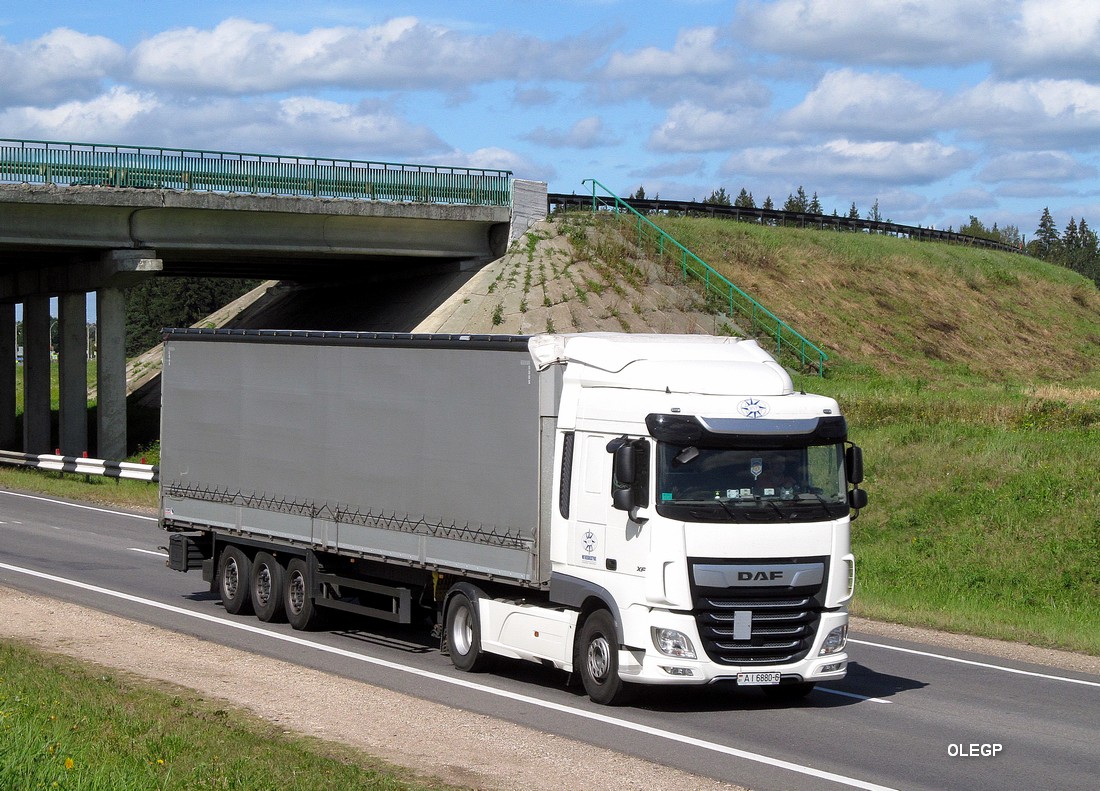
x=972, y=381
x=69, y=725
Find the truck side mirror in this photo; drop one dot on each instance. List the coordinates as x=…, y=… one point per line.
x=853, y=463
x=857, y=498
x=629, y=473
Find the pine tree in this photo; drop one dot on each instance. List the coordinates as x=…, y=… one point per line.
x=853, y=213
x=815, y=205
x=744, y=200
x=768, y=203
x=639, y=195
x=718, y=198
x=1046, y=244
x=797, y=202
x=874, y=215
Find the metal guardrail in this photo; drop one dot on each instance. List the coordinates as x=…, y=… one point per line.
x=95, y=164
x=82, y=466
x=788, y=342
x=787, y=218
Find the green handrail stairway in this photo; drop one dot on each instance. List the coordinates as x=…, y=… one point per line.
x=789, y=343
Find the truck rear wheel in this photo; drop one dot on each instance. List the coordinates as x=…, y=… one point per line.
x=301, y=609
x=464, y=631
x=234, y=574
x=267, y=584
x=598, y=660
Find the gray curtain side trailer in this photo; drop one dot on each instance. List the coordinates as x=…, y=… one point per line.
x=359, y=471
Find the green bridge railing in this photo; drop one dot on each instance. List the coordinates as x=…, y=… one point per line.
x=94, y=164
x=789, y=343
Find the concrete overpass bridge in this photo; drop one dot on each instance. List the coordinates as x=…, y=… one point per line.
x=84, y=218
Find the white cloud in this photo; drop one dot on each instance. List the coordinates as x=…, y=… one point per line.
x=586, y=133
x=114, y=115
x=1032, y=113
x=1035, y=166
x=62, y=64
x=886, y=162
x=1057, y=38
x=691, y=127
x=867, y=105
x=241, y=56
x=910, y=32
x=701, y=66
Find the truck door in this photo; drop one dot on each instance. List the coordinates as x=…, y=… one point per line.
x=602, y=536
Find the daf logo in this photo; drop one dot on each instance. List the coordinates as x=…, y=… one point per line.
x=753, y=408
x=759, y=576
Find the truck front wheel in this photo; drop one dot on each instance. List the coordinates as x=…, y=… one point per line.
x=267, y=588
x=234, y=575
x=464, y=631
x=598, y=660
x=301, y=610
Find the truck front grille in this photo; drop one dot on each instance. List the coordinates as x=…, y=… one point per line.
x=758, y=625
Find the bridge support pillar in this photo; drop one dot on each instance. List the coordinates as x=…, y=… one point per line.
x=73, y=373
x=36, y=375
x=111, y=373
x=8, y=437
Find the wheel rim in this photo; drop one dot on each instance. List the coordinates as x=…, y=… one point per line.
x=231, y=578
x=462, y=632
x=263, y=586
x=297, y=592
x=599, y=658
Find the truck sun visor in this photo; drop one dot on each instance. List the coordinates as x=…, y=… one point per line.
x=728, y=432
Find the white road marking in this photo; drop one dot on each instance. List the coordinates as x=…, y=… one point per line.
x=148, y=552
x=78, y=505
x=978, y=664
x=832, y=691
x=589, y=715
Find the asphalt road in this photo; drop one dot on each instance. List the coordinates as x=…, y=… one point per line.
x=908, y=716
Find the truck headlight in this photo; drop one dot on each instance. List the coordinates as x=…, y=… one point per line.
x=673, y=643
x=835, y=641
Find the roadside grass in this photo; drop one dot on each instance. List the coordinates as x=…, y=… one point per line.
x=71, y=725
x=984, y=514
x=972, y=380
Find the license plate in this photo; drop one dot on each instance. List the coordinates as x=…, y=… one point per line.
x=757, y=679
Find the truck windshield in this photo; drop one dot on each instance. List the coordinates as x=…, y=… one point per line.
x=751, y=485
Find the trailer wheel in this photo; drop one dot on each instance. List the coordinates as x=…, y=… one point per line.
x=598, y=660
x=298, y=602
x=267, y=588
x=234, y=573
x=464, y=631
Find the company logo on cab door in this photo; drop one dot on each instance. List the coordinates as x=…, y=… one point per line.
x=753, y=407
x=589, y=541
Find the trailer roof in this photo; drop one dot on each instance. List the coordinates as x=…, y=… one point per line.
x=344, y=338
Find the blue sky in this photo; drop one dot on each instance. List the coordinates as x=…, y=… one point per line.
x=936, y=109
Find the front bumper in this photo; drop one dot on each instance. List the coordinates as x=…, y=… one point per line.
x=650, y=666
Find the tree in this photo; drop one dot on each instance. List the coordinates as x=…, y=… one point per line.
x=853, y=213
x=874, y=215
x=768, y=203
x=744, y=200
x=639, y=195
x=815, y=205
x=719, y=198
x=175, y=302
x=797, y=202
x=1046, y=244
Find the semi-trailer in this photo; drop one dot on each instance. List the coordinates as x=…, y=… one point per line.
x=632, y=509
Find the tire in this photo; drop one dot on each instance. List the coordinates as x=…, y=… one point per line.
x=463, y=631
x=598, y=660
x=789, y=692
x=268, y=588
x=298, y=602
x=234, y=575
